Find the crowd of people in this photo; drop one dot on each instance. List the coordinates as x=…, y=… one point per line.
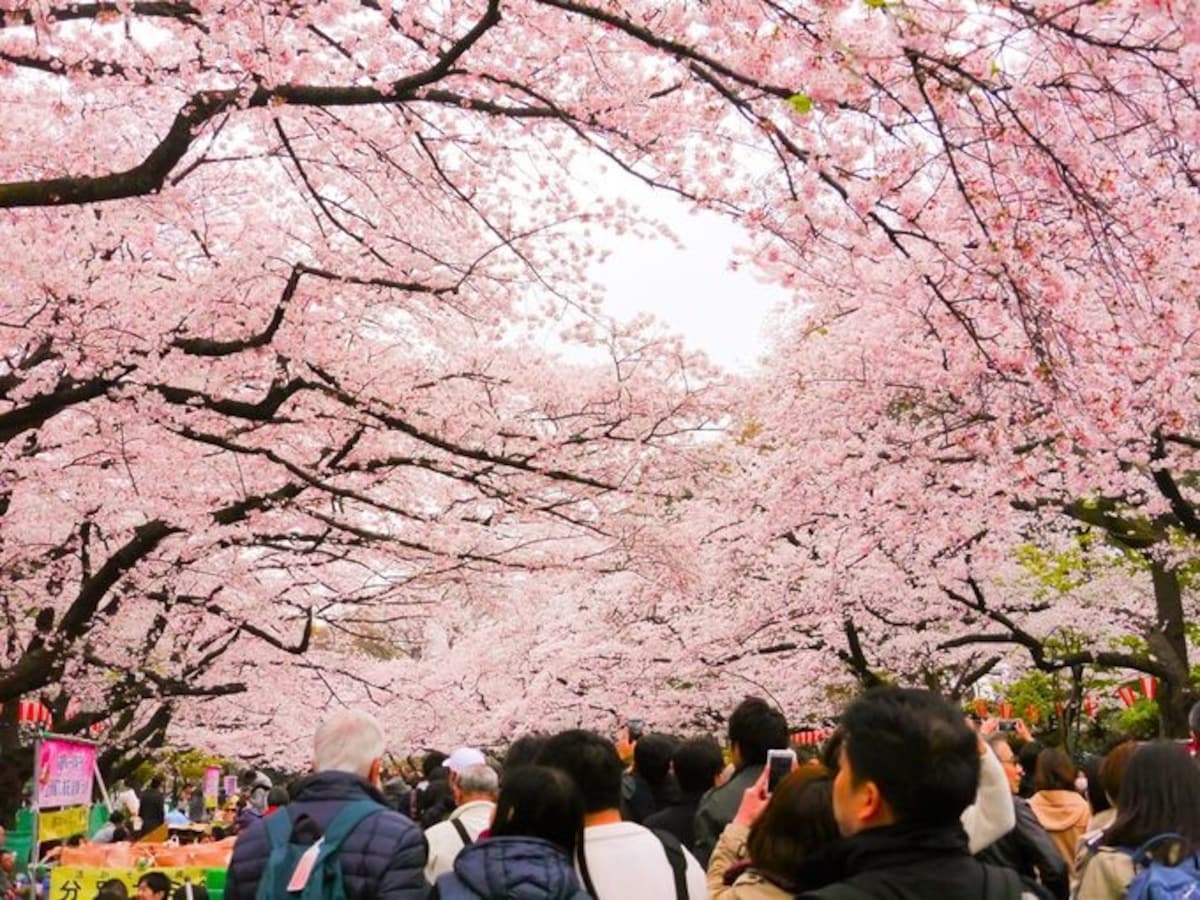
x=906, y=799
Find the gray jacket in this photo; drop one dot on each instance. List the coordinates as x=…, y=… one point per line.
x=718, y=808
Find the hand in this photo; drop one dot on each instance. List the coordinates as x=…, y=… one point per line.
x=625, y=745
x=754, y=800
x=989, y=726
x=1023, y=732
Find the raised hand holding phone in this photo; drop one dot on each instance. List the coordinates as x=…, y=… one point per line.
x=779, y=764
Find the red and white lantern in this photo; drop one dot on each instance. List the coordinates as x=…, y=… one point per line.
x=1006, y=709
x=33, y=712
x=1127, y=695
x=1149, y=686
x=1091, y=706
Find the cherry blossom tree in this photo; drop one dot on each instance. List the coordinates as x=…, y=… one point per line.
x=275, y=274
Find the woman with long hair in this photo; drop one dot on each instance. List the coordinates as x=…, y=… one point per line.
x=1059, y=808
x=760, y=853
x=536, y=833
x=1159, y=796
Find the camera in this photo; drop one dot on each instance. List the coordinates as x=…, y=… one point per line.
x=1007, y=725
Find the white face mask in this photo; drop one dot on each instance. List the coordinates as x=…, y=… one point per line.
x=1081, y=783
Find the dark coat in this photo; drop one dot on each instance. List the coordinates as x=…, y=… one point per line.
x=384, y=857
x=515, y=868
x=678, y=819
x=1029, y=850
x=899, y=862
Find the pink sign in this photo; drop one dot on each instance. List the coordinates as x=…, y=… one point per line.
x=231, y=786
x=212, y=786
x=64, y=773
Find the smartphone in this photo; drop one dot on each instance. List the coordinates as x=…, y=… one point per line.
x=779, y=764
x=1006, y=725
x=636, y=728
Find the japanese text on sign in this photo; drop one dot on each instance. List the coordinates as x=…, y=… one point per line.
x=64, y=773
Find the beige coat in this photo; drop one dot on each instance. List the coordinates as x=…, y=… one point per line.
x=1065, y=816
x=1104, y=876
x=750, y=885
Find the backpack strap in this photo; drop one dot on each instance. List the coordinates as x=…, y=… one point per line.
x=345, y=822
x=463, y=834
x=1144, y=855
x=676, y=858
x=279, y=828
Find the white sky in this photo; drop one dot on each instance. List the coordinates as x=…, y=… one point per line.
x=691, y=287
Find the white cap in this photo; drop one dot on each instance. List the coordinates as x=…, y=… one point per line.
x=463, y=758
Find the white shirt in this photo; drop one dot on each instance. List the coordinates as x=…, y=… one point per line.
x=445, y=841
x=626, y=861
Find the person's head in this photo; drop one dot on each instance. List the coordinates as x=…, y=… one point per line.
x=478, y=782
x=1194, y=720
x=278, y=796
x=156, y=783
x=1113, y=767
x=592, y=763
x=117, y=817
x=433, y=760
x=113, y=889
x=754, y=728
x=1159, y=793
x=120, y=834
x=652, y=757
x=153, y=886
x=1055, y=771
x=797, y=821
x=697, y=763
x=907, y=757
x=543, y=802
x=349, y=741
x=8, y=860
x=1096, y=798
x=831, y=751
x=1008, y=760
x=523, y=752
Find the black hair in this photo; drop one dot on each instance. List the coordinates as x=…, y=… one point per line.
x=433, y=760
x=278, y=796
x=539, y=801
x=1159, y=793
x=697, y=762
x=593, y=764
x=156, y=783
x=652, y=757
x=120, y=834
x=916, y=748
x=157, y=882
x=435, y=803
x=831, y=751
x=113, y=889
x=1095, y=789
x=756, y=727
x=522, y=752
x=117, y=816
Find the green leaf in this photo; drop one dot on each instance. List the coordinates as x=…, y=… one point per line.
x=802, y=103
x=875, y=4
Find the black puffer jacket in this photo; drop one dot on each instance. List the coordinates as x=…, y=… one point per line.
x=382, y=859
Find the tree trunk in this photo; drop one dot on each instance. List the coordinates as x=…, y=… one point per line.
x=1168, y=644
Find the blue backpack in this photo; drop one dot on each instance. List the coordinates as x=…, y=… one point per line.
x=1155, y=880
x=325, y=881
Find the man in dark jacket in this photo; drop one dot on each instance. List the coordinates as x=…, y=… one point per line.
x=384, y=856
x=908, y=767
x=696, y=764
x=152, y=805
x=1027, y=848
x=754, y=728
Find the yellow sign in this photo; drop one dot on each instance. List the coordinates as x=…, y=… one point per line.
x=56, y=824
x=80, y=883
